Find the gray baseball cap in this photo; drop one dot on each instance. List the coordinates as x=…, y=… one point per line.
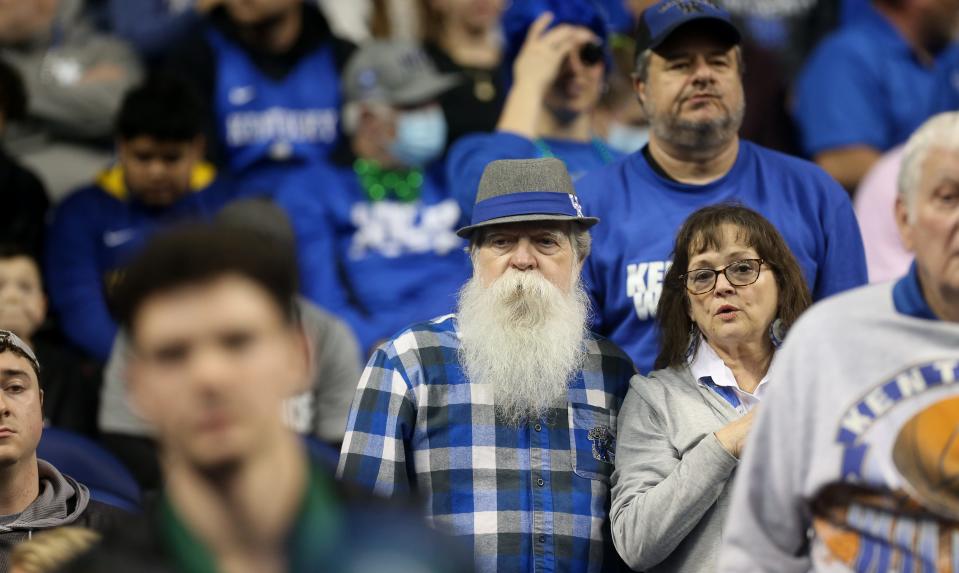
x=517, y=190
x=9, y=339
x=396, y=72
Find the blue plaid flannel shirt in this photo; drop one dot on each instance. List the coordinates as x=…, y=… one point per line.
x=534, y=498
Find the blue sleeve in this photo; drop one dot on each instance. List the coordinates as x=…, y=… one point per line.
x=75, y=282
x=150, y=25
x=318, y=256
x=375, y=452
x=468, y=158
x=838, y=101
x=946, y=96
x=844, y=259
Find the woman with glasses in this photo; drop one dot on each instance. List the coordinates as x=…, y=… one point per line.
x=733, y=291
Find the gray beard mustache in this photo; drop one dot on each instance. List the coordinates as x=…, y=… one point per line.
x=697, y=134
x=526, y=339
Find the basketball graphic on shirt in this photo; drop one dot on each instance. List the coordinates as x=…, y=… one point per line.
x=926, y=453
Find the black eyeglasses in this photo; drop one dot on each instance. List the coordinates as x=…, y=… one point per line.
x=591, y=54
x=739, y=273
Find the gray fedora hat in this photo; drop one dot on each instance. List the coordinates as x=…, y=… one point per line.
x=516, y=190
x=397, y=72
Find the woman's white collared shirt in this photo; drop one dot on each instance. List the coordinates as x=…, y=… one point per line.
x=708, y=365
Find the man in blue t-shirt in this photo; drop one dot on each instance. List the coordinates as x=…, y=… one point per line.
x=558, y=78
x=868, y=86
x=270, y=74
x=160, y=178
x=689, y=82
x=376, y=229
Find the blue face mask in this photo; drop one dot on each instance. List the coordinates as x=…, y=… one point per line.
x=627, y=138
x=420, y=136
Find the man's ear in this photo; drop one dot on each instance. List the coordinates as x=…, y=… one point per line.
x=639, y=86
x=302, y=361
x=122, y=148
x=198, y=146
x=136, y=390
x=906, y=229
x=41, y=400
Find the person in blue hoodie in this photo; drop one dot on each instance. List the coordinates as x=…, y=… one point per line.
x=376, y=229
x=160, y=178
x=560, y=59
x=689, y=82
x=269, y=70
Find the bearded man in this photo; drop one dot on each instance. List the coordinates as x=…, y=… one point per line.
x=501, y=419
x=688, y=79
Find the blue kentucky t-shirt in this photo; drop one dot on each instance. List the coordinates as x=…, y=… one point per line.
x=262, y=119
x=380, y=265
x=864, y=85
x=640, y=213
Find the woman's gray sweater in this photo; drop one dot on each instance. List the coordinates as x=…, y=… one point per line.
x=671, y=484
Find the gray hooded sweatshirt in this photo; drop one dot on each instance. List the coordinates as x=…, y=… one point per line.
x=62, y=501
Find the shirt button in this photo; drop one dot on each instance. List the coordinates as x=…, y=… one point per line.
x=540, y=482
x=537, y=427
x=542, y=539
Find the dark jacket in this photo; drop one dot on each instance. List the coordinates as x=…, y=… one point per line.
x=25, y=205
x=62, y=501
x=339, y=530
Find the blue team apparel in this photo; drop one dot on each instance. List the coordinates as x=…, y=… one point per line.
x=94, y=234
x=661, y=19
x=533, y=498
x=470, y=154
x=380, y=265
x=642, y=212
x=261, y=119
x=864, y=85
x=907, y=296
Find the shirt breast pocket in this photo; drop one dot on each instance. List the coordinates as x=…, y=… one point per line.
x=592, y=439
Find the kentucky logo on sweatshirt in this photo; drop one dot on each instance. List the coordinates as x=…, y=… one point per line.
x=897, y=506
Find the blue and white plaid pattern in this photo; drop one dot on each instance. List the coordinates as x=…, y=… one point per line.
x=529, y=498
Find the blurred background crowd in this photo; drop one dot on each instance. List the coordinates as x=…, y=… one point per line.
x=355, y=132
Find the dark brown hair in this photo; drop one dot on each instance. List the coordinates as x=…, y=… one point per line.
x=704, y=230
x=197, y=253
x=431, y=21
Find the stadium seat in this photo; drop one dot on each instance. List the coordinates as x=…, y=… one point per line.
x=89, y=463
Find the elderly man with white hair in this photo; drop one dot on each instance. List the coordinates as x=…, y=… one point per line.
x=501, y=418
x=853, y=461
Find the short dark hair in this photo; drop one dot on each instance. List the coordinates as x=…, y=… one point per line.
x=704, y=230
x=164, y=107
x=13, y=96
x=13, y=250
x=196, y=253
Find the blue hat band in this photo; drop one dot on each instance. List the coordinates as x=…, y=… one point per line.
x=528, y=203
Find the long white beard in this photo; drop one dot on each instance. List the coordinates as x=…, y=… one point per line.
x=524, y=337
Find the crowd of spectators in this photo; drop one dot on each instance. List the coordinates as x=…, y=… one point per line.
x=367, y=144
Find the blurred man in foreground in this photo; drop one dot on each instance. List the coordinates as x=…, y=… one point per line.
x=215, y=350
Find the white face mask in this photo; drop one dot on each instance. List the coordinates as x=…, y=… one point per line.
x=627, y=138
x=420, y=136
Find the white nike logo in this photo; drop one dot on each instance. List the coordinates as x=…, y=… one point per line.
x=117, y=238
x=242, y=95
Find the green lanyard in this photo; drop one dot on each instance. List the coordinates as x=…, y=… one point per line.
x=605, y=155
x=313, y=533
x=404, y=184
